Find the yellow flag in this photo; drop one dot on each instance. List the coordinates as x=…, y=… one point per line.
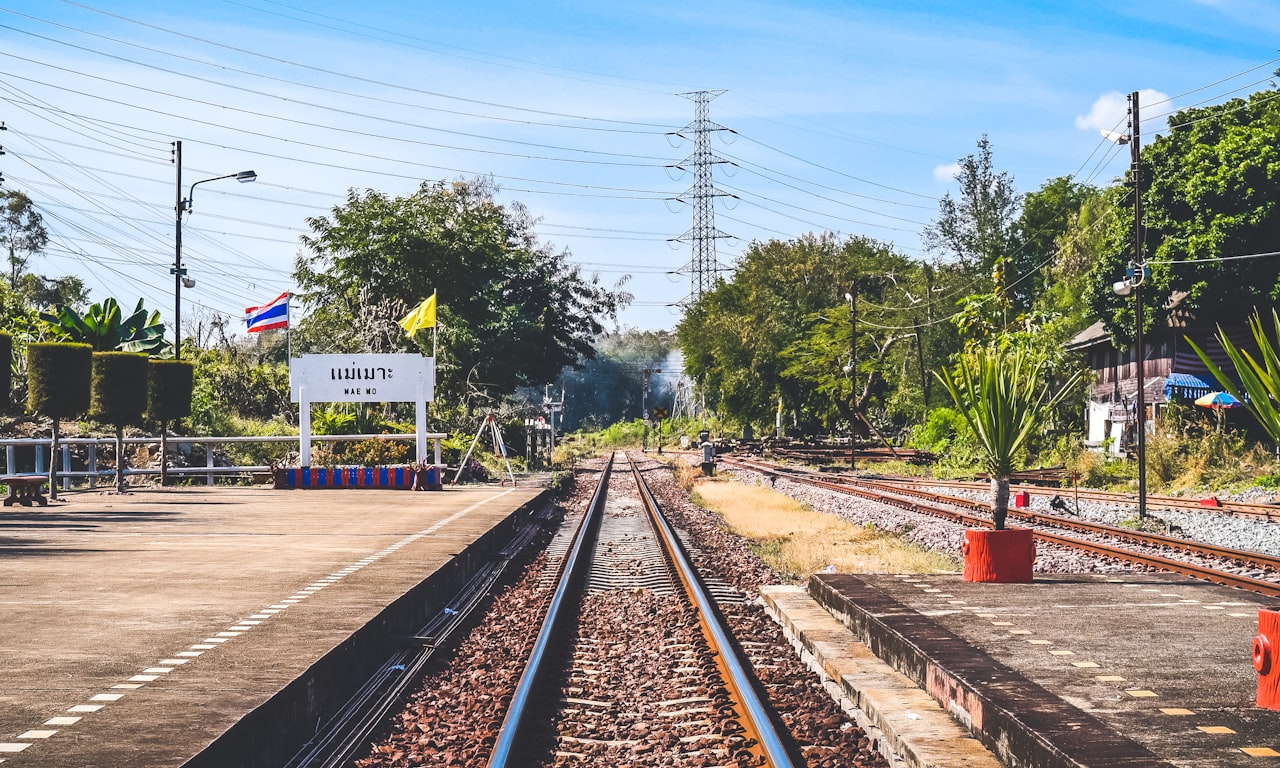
x=423, y=316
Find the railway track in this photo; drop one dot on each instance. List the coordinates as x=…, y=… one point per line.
x=1030, y=480
x=1269, y=512
x=623, y=640
x=1237, y=568
x=675, y=687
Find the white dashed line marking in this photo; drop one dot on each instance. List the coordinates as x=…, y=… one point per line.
x=62, y=720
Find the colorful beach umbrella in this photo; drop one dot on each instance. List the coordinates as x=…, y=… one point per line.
x=1218, y=400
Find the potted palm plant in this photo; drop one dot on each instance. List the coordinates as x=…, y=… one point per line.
x=1001, y=396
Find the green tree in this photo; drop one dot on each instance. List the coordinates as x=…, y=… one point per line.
x=1005, y=401
x=511, y=310
x=1211, y=192
x=977, y=228
x=22, y=231
x=1037, y=237
x=781, y=328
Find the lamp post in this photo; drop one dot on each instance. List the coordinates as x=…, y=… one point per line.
x=181, y=205
x=1135, y=275
x=853, y=375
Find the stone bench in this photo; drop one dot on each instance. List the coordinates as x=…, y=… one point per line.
x=24, y=489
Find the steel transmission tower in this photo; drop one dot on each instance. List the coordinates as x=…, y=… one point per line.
x=703, y=234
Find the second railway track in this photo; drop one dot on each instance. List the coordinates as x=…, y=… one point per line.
x=1253, y=571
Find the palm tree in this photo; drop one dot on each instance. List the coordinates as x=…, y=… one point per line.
x=1260, y=377
x=1000, y=395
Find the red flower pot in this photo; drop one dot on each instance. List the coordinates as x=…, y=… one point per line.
x=1004, y=556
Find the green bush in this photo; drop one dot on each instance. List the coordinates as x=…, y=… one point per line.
x=257, y=454
x=376, y=453
x=58, y=377
x=118, y=394
x=170, y=384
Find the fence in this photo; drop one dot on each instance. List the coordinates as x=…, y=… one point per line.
x=210, y=471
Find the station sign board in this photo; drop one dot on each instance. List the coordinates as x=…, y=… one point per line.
x=362, y=378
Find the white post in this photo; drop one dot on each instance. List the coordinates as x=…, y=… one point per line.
x=420, y=423
x=208, y=463
x=13, y=470
x=66, y=467
x=304, y=428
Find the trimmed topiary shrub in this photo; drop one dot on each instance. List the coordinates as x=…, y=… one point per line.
x=119, y=396
x=169, y=387
x=58, y=378
x=119, y=391
x=6, y=371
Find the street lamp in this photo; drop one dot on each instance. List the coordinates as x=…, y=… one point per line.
x=179, y=272
x=1135, y=275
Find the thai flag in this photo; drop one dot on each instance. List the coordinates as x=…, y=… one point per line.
x=268, y=316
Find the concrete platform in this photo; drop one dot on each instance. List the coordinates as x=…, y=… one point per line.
x=137, y=629
x=1079, y=670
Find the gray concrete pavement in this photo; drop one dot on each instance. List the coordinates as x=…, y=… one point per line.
x=137, y=628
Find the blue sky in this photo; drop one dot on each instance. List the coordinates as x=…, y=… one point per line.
x=845, y=117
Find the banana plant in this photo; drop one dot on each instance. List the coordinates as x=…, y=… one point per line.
x=106, y=329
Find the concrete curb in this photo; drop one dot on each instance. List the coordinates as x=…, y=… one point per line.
x=910, y=728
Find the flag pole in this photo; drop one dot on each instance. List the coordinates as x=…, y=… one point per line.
x=288, y=327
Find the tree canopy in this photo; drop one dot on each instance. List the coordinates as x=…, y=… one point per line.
x=1210, y=192
x=511, y=310
x=781, y=328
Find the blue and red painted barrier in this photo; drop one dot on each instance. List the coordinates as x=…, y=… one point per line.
x=424, y=478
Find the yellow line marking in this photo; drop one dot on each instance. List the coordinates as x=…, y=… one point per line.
x=1260, y=752
x=1140, y=694
x=1176, y=711
x=1214, y=729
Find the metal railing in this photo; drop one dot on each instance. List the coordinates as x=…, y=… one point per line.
x=210, y=471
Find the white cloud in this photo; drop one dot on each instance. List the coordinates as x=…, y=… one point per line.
x=1109, y=112
x=947, y=173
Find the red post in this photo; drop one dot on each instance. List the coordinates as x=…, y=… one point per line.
x=1021, y=499
x=1266, y=657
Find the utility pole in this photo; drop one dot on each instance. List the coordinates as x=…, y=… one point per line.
x=644, y=392
x=178, y=271
x=1135, y=155
x=703, y=234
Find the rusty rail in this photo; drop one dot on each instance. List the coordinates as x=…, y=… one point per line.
x=926, y=502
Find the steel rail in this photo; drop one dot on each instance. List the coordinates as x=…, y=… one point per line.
x=570, y=570
x=1244, y=557
x=739, y=682
x=1269, y=512
x=1206, y=573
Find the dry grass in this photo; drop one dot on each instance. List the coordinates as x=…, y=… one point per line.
x=797, y=541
